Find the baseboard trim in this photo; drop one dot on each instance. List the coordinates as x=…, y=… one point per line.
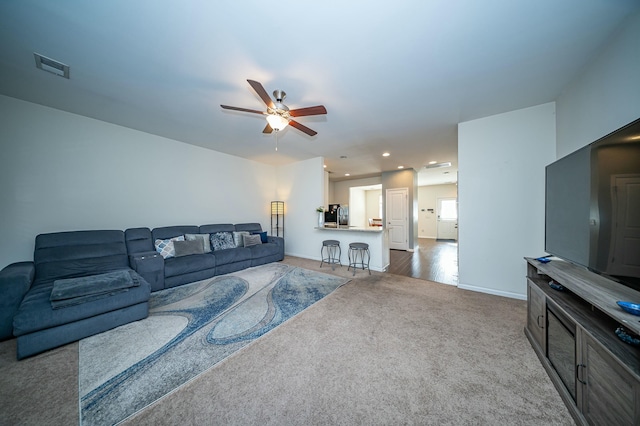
x=318, y=259
x=492, y=291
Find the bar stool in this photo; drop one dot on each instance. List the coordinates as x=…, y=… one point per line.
x=328, y=252
x=359, y=250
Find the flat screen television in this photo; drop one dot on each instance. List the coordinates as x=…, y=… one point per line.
x=592, y=209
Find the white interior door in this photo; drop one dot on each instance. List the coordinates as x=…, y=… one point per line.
x=397, y=213
x=447, y=216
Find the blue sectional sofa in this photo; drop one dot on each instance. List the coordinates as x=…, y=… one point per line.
x=177, y=270
x=64, y=258
x=67, y=255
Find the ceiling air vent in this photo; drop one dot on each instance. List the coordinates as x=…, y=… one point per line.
x=437, y=165
x=51, y=65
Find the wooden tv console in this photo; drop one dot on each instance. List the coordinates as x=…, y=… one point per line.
x=604, y=387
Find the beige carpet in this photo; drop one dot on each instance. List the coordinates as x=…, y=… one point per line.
x=382, y=349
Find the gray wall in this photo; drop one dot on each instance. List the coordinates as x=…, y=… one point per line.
x=606, y=95
x=403, y=179
x=61, y=172
x=339, y=191
x=501, y=197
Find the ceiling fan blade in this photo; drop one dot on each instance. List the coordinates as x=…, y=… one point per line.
x=302, y=128
x=267, y=129
x=314, y=110
x=242, y=109
x=262, y=93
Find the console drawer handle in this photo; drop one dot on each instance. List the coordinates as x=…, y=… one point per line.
x=578, y=375
x=538, y=320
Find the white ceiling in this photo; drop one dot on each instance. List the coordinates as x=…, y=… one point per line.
x=394, y=76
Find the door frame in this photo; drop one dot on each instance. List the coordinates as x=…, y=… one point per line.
x=405, y=219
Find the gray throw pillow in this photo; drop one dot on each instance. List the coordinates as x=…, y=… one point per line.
x=238, y=237
x=252, y=240
x=185, y=248
x=203, y=237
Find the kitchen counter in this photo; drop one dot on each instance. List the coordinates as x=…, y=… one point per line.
x=351, y=228
x=375, y=236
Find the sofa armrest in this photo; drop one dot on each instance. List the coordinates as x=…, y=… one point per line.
x=15, y=281
x=278, y=241
x=150, y=266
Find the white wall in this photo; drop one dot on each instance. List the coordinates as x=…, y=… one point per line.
x=606, y=95
x=501, y=197
x=428, y=199
x=61, y=171
x=300, y=186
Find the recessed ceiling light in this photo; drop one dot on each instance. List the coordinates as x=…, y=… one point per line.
x=325, y=166
x=347, y=174
x=401, y=167
x=432, y=162
x=385, y=154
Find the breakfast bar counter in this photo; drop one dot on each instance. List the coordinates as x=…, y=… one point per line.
x=351, y=228
x=375, y=236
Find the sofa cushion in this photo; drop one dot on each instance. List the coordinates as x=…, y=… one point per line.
x=166, y=248
x=220, y=227
x=222, y=241
x=35, y=312
x=138, y=240
x=227, y=256
x=264, y=250
x=15, y=281
x=79, y=253
x=187, y=264
x=186, y=248
x=249, y=227
x=165, y=232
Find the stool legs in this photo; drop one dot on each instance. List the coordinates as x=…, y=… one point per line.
x=357, y=258
x=330, y=253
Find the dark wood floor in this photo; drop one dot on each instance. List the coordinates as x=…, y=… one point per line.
x=432, y=260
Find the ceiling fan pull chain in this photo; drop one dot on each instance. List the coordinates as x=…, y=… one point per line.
x=277, y=140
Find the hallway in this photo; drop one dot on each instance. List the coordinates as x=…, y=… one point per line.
x=432, y=260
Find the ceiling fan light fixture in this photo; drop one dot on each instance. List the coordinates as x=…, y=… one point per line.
x=277, y=122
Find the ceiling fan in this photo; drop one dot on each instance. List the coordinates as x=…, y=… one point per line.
x=278, y=114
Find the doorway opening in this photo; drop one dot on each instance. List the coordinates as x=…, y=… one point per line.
x=433, y=260
x=436, y=250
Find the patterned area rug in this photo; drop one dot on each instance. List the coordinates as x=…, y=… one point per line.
x=189, y=329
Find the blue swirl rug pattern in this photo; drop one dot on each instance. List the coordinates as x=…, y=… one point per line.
x=190, y=329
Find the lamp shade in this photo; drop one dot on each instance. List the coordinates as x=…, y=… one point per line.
x=277, y=122
x=277, y=207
